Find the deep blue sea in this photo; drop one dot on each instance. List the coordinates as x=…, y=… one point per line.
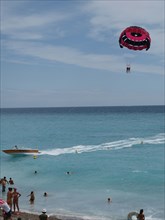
x=115, y=152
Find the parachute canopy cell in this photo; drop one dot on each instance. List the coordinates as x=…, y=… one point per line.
x=135, y=38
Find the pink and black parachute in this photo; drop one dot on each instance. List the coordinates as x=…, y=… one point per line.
x=135, y=38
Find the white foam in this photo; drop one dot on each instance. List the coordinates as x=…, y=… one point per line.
x=114, y=145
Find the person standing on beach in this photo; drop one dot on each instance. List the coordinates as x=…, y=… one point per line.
x=141, y=215
x=43, y=216
x=16, y=196
x=10, y=197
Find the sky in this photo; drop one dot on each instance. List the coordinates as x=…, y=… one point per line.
x=65, y=53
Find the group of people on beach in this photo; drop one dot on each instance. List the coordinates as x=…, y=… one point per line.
x=12, y=200
x=12, y=194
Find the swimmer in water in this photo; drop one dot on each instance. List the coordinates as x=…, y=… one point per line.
x=45, y=194
x=109, y=200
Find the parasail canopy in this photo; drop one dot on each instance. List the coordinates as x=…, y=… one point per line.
x=135, y=38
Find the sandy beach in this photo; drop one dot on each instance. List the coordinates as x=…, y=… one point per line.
x=28, y=216
x=32, y=216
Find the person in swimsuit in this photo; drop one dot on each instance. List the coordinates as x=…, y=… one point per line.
x=10, y=197
x=141, y=215
x=45, y=194
x=16, y=196
x=3, y=182
x=11, y=182
x=32, y=197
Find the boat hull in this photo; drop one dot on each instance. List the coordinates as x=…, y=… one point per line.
x=21, y=151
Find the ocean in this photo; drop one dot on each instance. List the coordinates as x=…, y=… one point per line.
x=115, y=152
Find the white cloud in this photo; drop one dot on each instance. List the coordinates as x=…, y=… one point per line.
x=117, y=14
x=75, y=57
x=30, y=21
x=31, y=26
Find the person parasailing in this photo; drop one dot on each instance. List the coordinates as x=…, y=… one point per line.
x=128, y=68
x=134, y=38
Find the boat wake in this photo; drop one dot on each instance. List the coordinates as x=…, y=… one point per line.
x=114, y=145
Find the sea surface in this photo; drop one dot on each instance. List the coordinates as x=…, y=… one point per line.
x=115, y=152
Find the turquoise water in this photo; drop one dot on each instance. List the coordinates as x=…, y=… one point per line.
x=115, y=152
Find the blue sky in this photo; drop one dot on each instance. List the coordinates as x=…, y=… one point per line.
x=66, y=53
